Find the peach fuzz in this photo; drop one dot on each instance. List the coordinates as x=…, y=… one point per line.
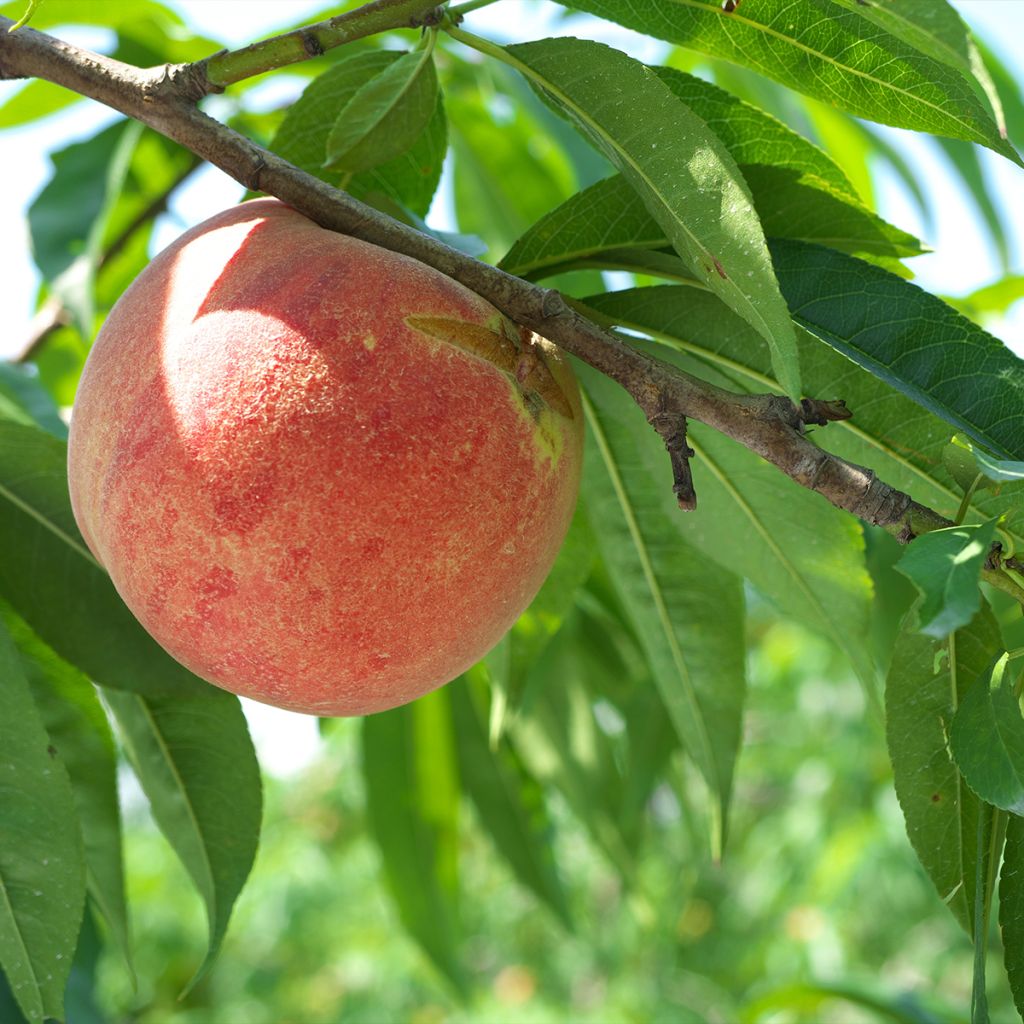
x=320, y=474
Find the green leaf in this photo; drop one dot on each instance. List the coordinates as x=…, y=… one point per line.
x=808, y=210
x=692, y=633
x=753, y=136
x=91, y=12
x=68, y=218
x=412, y=800
x=966, y=463
x=194, y=759
x=23, y=399
x=945, y=566
x=909, y=339
x=42, y=867
x=534, y=629
x=1011, y=909
x=922, y=692
x=34, y=100
x=802, y=554
x=509, y=802
x=53, y=581
x=385, y=115
x=987, y=739
x=606, y=219
x=78, y=729
x=826, y=50
x=936, y=29
x=409, y=178
x=995, y=298
x=608, y=227
x=902, y=442
x=997, y=470
x=561, y=744
x=958, y=459
x=490, y=137
x=798, y=192
x=684, y=174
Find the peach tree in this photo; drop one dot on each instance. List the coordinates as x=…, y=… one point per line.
x=772, y=408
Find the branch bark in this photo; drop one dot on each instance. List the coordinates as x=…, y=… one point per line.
x=223, y=69
x=165, y=98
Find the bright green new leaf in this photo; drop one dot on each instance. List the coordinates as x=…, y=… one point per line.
x=42, y=865
x=827, y=50
x=34, y=100
x=412, y=800
x=385, y=115
x=91, y=12
x=410, y=178
x=945, y=566
x=194, y=759
x=959, y=461
x=987, y=739
x=922, y=693
x=909, y=339
x=684, y=174
x=992, y=299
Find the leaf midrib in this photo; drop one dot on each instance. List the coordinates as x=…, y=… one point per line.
x=33, y=513
x=26, y=956
x=735, y=16
x=652, y=583
x=766, y=535
x=529, y=72
x=164, y=750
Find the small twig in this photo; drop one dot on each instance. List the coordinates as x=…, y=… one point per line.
x=224, y=69
x=671, y=427
x=821, y=412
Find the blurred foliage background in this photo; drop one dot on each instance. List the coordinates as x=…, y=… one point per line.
x=818, y=911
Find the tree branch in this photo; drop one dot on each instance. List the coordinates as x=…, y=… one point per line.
x=224, y=69
x=770, y=425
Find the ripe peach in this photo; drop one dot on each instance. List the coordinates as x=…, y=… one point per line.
x=321, y=474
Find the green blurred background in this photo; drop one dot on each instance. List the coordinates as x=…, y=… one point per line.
x=818, y=912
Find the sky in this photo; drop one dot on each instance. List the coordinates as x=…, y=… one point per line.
x=962, y=259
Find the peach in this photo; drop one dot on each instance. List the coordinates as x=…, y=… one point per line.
x=320, y=474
